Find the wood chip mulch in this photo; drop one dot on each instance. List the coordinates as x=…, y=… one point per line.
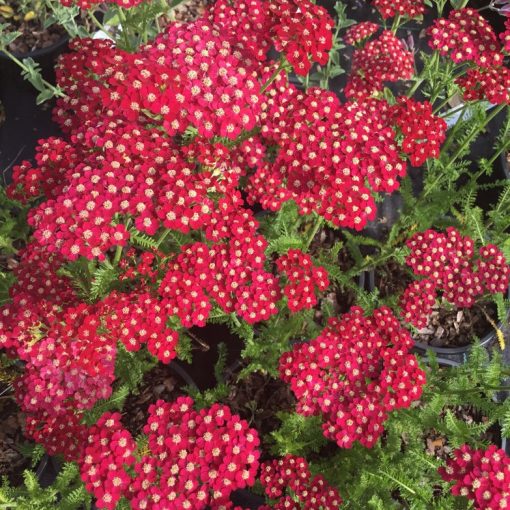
x=454, y=327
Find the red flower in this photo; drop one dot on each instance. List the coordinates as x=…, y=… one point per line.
x=450, y=267
x=404, y=8
x=289, y=476
x=505, y=36
x=192, y=459
x=466, y=36
x=302, y=30
x=303, y=277
x=491, y=84
x=381, y=60
x=423, y=132
x=360, y=31
x=354, y=384
x=483, y=476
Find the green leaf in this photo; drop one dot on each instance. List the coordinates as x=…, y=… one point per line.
x=142, y=240
x=7, y=38
x=102, y=280
x=44, y=96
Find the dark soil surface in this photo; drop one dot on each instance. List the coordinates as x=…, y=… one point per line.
x=158, y=383
x=257, y=399
x=12, y=462
x=340, y=298
x=33, y=35
x=448, y=325
x=392, y=279
x=457, y=327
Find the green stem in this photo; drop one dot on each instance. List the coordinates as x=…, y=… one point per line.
x=123, y=25
x=371, y=263
x=164, y=235
x=319, y=220
x=118, y=255
x=473, y=134
x=415, y=87
x=324, y=82
x=56, y=90
x=396, y=23
x=453, y=131
x=96, y=22
x=443, y=104
x=281, y=67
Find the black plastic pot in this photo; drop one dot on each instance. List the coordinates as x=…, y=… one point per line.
x=459, y=354
x=451, y=354
x=504, y=164
x=505, y=445
x=247, y=499
x=388, y=212
x=47, y=471
x=25, y=122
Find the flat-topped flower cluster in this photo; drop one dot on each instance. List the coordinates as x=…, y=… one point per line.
x=354, y=374
x=167, y=151
x=450, y=268
x=189, y=460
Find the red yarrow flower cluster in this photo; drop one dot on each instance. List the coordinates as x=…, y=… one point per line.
x=491, y=84
x=359, y=32
x=66, y=372
x=353, y=374
x=466, y=36
x=289, y=478
x=231, y=273
x=59, y=434
x=250, y=23
x=303, y=279
x=303, y=32
x=381, y=60
x=482, y=476
x=55, y=159
x=327, y=152
x=37, y=298
x=404, y=8
x=138, y=319
x=450, y=268
x=505, y=36
x=423, y=132
x=191, y=459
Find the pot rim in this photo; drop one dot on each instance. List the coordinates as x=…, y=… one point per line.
x=484, y=341
x=421, y=346
x=504, y=163
x=39, y=52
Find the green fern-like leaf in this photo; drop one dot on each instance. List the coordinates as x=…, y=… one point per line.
x=505, y=423
x=283, y=244
x=102, y=279
x=115, y=402
x=142, y=240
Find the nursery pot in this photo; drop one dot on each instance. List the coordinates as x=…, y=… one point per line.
x=25, y=121
x=452, y=354
x=246, y=499
x=47, y=471
x=505, y=164
x=459, y=354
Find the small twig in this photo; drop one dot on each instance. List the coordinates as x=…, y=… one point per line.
x=11, y=164
x=205, y=346
x=499, y=333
